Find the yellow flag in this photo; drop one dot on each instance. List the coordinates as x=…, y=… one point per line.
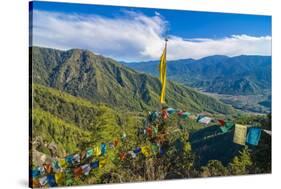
x=62, y=163
x=102, y=163
x=97, y=151
x=59, y=177
x=146, y=151
x=240, y=134
x=162, y=70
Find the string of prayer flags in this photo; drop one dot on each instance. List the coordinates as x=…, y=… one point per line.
x=103, y=149
x=95, y=164
x=253, y=135
x=205, y=120
x=240, y=134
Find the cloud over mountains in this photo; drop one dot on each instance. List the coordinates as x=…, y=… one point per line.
x=134, y=37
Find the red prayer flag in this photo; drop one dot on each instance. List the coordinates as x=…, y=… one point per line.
x=78, y=171
x=221, y=122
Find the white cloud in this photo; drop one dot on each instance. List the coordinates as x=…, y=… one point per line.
x=134, y=37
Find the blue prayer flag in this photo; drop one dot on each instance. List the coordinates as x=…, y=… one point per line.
x=35, y=172
x=94, y=164
x=253, y=135
x=51, y=180
x=137, y=150
x=103, y=149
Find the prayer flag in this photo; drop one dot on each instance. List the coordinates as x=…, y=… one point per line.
x=55, y=165
x=149, y=131
x=155, y=149
x=97, y=151
x=171, y=110
x=240, y=134
x=133, y=155
x=267, y=132
x=47, y=167
x=221, y=122
x=227, y=127
x=89, y=153
x=162, y=70
x=51, y=180
x=76, y=158
x=77, y=171
x=86, y=169
x=205, y=120
x=122, y=155
x=137, y=150
x=69, y=159
x=253, y=135
x=35, y=172
x=103, y=149
x=146, y=151
x=95, y=164
x=102, y=163
x=62, y=163
x=116, y=142
x=59, y=177
x=43, y=181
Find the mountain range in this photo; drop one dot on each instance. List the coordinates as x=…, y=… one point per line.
x=240, y=75
x=104, y=80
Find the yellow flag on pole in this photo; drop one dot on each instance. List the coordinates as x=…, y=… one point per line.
x=162, y=70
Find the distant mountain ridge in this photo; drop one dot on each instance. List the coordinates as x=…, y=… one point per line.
x=103, y=80
x=240, y=75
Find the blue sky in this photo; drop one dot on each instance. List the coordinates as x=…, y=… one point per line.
x=136, y=34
